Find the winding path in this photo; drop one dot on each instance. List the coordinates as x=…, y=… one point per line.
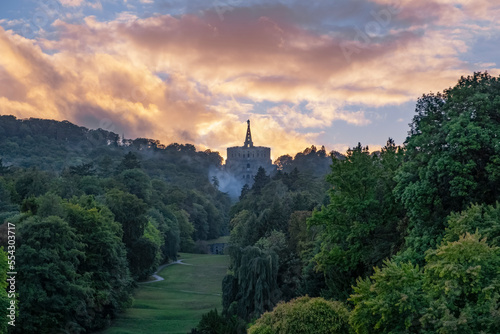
x=158, y=278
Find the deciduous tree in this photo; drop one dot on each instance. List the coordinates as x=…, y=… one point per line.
x=304, y=315
x=452, y=158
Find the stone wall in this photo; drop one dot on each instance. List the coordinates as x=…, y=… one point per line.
x=243, y=162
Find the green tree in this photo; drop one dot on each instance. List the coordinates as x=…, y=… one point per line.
x=199, y=218
x=152, y=233
x=284, y=162
x=260, y=180
x=82, y=170
x=54, y=296
x=142, y=258
x=215, y=323
x=478, y=218
x=243, y=229
x=360, y=225
x=130, y=212
x=49, y=205
x=298, y=231
x=137, y=182
x=390, y=301
x=105, y=258
x=105, y=166
x=7, y=208
x=244, y=191
x=276, y=242
x=186, y=230
x=462, y=282
x=252, y=288
x=31, y=183
x=4, y=300
x=91, y=185
x=304, y=315
x=129, y=161
x=452, y=158
x=457, y=291
x=166, y=223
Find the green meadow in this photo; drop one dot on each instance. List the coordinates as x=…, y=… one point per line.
x=176, y=304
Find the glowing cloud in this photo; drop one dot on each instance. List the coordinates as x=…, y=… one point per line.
x=197, y=77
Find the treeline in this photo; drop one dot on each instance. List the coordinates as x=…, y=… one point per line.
x=86, y=232
x=407, y=241
x=310, y=162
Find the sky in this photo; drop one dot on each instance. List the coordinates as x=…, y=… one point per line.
x=330, y=73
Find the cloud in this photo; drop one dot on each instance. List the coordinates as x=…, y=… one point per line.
x=11, y=23
x=317, y=115
x=102, y=90
x=96, y=4
x=197, y=77
x=71, y=3
x=265, y=59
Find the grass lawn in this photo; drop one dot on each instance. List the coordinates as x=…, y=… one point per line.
x=176, y=304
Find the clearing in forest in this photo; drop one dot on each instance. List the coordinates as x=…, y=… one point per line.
x=175, y=305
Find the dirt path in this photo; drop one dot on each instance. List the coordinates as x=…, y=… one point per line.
x=158, y=278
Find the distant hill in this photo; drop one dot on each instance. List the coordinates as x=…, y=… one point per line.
x=57, y=145
x=53, y=146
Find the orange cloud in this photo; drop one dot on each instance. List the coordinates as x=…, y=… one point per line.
x=267, y=60
x=110, y=91
x=197, y=78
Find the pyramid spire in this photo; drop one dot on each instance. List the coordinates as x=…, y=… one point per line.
x=248, y=139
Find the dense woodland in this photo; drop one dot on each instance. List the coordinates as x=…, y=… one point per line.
x=407, y=240
x=404, y=240
x=94, y=214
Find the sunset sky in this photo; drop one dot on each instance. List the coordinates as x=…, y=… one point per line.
x=304, y=72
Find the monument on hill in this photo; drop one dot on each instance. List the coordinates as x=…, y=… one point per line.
x=243, y=161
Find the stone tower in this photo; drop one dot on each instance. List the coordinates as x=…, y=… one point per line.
x=243, y=161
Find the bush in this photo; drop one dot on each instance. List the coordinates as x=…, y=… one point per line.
x=304, y=315
x=214, y=323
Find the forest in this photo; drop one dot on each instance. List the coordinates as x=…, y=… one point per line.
x=404, y=240
x=401, y=240
x=95, y=214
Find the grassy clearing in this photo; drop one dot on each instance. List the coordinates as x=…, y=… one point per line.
x=176, y=304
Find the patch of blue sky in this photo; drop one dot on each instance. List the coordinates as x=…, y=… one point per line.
x=261, y=108
x=481, y=54
x=385, y=122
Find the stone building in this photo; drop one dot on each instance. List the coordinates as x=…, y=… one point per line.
x=243, y=161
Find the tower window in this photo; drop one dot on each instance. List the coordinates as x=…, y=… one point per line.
x=248, y=165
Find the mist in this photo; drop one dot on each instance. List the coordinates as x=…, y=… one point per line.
x=227, y=182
